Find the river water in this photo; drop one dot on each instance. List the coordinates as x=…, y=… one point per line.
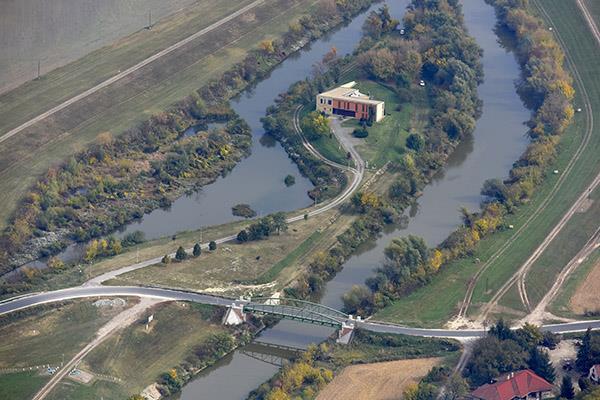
x=498, y=140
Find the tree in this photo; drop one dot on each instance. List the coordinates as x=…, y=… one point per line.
x=584, y=383
x=567, y=390
x=359, y=300
x=540, y=363
x=166, y=259
x=197, y=250
x=180, y=255
x=415, y=142
x=492, y=357
x=212, y=246
x=456, y=388
x=589, y=352
x=267, y=46
x=242, y=236
x=315, y=125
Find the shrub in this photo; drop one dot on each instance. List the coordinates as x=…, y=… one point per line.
x=197, y=250
x=360, y=132
x=180, y=255
x=212, y=246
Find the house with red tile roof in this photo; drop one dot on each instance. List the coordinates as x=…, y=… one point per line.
x=523, y=384
x=594, y=374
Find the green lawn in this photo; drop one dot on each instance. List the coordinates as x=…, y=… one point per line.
x=42, y=335
x=425, y=306
x=291, y=258
x=387, y=138
x=68, y=389
x=327, y=145
x=138, y=357
x=21, y=385
x=562, y=249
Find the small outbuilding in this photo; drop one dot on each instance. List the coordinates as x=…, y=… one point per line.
x=348, y=101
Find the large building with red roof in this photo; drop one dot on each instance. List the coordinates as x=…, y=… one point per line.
x=523, y=384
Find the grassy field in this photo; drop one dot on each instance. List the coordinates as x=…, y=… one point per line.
x=233, y=262
x=563, y=303
x=53, y=33
x=387, y=138
x=44, y=336
x=131, y=355
x=562, y=249
x=20, y=385
x=132, y=99
x=594, y=8
x=328, y=146
x=425, y=306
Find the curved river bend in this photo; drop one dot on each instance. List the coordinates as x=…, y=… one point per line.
x=497, y=142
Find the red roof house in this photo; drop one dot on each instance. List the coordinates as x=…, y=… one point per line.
x=523, y=384
x=595, y=373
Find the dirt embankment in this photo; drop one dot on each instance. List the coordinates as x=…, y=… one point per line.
x=377, y=381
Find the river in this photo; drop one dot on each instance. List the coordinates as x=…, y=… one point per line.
x=498, y=140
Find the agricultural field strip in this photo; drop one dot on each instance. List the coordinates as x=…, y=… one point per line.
x=466, y=303
x=521, y=273
x=129, y=71
x=358, y=174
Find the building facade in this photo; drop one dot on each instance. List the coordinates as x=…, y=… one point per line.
x=350, y=102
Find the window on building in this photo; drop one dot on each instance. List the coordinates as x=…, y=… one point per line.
x=329, y=101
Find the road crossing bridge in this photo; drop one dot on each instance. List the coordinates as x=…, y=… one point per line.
x=292, y=309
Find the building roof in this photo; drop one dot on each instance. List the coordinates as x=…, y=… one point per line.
x=515, y=384
x=349, y=93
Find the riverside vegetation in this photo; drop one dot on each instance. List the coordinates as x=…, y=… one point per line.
x=57, y=212
x=433, y=47
x=546, y=88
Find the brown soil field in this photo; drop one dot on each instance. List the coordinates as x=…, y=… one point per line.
x=378, y=381
x=587, y=295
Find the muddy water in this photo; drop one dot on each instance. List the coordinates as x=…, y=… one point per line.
x=497, y=142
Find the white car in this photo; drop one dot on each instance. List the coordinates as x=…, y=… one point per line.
x=421, y=82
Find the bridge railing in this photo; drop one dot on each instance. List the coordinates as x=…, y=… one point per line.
x=295, y=313
x=303, y=304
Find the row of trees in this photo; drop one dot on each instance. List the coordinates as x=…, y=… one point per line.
x=546, y=88
x=264, y=227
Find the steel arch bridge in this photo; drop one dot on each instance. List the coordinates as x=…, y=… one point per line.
x=297, y=310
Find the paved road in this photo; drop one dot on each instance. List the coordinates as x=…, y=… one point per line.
x=128, y=71
x=167, y=294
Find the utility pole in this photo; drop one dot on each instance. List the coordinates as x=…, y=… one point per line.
x=38, y=74
x=149, y=19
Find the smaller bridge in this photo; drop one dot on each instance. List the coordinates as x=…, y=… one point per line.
x=292, y=309
x=297, y=310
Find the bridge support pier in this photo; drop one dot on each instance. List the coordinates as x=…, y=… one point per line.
x=346, y=332
x=235, y=315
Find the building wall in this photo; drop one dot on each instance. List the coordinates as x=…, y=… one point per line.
x=361, y=110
